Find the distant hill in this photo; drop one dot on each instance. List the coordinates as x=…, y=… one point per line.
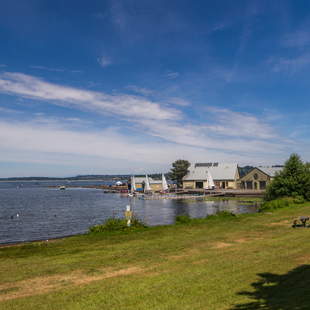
x=103, y=177
x=76, y=178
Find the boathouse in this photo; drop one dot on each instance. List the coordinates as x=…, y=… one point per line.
x=156, y=185
x=224, y=175
x=258, y=178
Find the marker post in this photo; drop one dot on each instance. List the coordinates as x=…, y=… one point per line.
x=128, y=215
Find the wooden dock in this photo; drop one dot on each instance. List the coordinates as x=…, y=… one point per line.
x=169, y=196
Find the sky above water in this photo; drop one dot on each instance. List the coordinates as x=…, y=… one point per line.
x=130, y=86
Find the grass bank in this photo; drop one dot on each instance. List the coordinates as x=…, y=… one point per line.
x=246, y=262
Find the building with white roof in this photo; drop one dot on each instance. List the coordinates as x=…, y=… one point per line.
x=224, y=175
x=156, y=185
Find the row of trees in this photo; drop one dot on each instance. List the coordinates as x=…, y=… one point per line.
x=292, y=181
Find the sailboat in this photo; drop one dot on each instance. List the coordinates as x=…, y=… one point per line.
x=133, y=184
x=147, y=184
x=164, y=185
x=210, y=183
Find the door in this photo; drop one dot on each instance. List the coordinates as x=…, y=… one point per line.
x=199, y=184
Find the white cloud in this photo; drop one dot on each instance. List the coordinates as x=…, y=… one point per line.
x=235, y=124
x=289, y=66
x=172, y=75
x=140, y=90
x=118, y=105
x=53, y=143
x=10, y=111
x=161, y=133
x=104, y=62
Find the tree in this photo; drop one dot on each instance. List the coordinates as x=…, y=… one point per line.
x=179, y=170
x=293, y=180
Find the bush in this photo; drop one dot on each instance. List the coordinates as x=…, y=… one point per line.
x=273, y=205
x=114, y=224
x=221, y=214
x=182, y=219
x=298, y=199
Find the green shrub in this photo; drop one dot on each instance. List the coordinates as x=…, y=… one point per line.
x=298, y=199
x=114, y=224
x=273, y=205
x=221, y=214
x=182, y=219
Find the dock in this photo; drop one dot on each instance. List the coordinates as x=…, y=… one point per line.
x=169, y=196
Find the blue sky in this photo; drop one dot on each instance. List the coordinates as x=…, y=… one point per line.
x=130, y=86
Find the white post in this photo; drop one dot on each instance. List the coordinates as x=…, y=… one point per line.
x=128, y=215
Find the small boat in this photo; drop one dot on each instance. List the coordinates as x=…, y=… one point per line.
x=147, y=187
x=118, y=183
x=62, y=187
x=210, y=183
x=164, y=185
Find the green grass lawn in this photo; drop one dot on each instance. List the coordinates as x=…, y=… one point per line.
x=253, y=261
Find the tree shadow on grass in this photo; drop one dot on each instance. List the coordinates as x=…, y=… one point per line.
x=287, y=291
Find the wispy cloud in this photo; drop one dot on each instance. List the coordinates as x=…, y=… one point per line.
x=289, y=66
x=141, y=90
x=104, y=62
x=177, y=101
x=51, y=142
x=49, y=69
x=56, y=70
x=9, y=111
x=235, y=124
x=121, y=104
x=223, y=130
x=299, y=39
x=171, y=74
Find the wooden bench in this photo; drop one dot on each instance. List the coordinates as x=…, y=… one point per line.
x=303, y=220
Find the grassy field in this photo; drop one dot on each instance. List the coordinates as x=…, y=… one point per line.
x=249, y=262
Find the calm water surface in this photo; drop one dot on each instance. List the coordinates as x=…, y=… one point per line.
x=46, y=213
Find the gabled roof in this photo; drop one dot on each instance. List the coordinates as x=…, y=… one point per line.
x=271, y=171
x=139, y=180
x=218, y=171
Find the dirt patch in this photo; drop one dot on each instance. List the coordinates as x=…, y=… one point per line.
x=201, y=261
x=282, y=223
x=40, y=285
x=220, y=245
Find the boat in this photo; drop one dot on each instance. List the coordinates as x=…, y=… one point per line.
x=164, y=184
x=210, y=184
x=133, y=185
x=62, y=187
x=147, y=187
x=118, y=183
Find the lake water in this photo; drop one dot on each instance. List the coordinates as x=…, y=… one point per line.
x=46, y=213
